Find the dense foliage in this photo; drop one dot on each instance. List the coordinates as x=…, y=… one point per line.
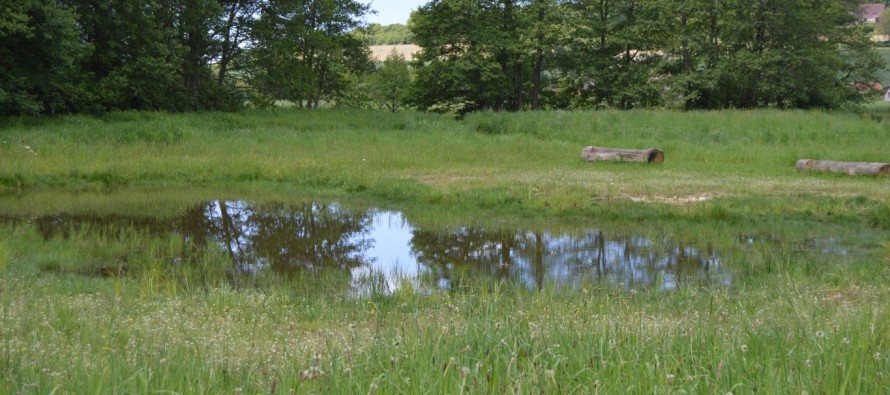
x=172, y=55
x=303, y=50
x=516, y=54
x=89, y=56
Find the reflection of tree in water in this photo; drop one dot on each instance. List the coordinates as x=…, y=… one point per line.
x=281, y=236
x=535, y=257
x=286, y=237
x=450, y=256
x=289, y=238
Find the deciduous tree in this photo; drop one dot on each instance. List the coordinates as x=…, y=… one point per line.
x=302, y=49
x=40, y=49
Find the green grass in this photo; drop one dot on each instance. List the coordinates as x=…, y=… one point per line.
x=181, y=329
x=791, y=321
x=529, y=161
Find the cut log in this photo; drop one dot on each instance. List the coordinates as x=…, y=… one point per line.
x=851, y=168
x=651, y=155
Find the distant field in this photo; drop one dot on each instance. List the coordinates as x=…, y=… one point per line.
x=380, y=52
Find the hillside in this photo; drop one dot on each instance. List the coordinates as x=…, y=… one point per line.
x=376, y=34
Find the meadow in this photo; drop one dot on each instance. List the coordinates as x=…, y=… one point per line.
x=805, y=313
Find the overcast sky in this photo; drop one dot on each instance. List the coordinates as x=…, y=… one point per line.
x=392, y=11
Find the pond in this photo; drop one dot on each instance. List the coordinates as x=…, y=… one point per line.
x=286, y=239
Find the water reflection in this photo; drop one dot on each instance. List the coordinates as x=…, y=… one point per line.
x=286, y=238
x=537, y=257
x=279, y=237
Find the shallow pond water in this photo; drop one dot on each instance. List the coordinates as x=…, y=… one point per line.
x=263, y=239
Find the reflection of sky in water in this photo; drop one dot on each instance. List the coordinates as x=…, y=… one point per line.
x=389, y=252
x=561, y=259
x=383, y=245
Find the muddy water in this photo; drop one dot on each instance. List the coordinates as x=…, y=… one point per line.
x=282, y=239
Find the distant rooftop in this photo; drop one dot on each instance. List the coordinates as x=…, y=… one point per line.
x=870, y=12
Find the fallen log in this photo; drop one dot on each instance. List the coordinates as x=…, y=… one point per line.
x=851, y=168
x=651, y=155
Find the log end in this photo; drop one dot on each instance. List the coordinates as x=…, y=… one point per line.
x=655, y=156
x=804, y=165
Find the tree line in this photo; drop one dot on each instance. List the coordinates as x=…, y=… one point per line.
x=91, y=56
x=87, y=56
x=515, y=54
x=394, y=34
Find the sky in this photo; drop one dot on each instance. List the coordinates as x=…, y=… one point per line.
x=392, y=11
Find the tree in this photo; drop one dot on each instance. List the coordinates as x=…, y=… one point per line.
x=473, y=53
x=40, y=49
x=232, y=33
x=612, y=52
x=151, y=55
x=389, y=84
x=792, y=54
x=303, y=49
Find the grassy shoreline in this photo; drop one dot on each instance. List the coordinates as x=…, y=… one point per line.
x=792, y=321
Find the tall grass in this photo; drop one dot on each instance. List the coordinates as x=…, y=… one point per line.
x=497, y=159
x=793, y=320
x=149, y=332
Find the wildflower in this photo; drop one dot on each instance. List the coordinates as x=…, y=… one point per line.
x=465, y=350
x=808, y=362
x=550, y=373
x=670, y=378
x=877, y=356
x=820, y=334
x=464, y=371
x=846, y=341
x=497, y=326
x=744, y=348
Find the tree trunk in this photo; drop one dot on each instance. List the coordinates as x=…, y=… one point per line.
x=851, y=168
x=650, y=155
